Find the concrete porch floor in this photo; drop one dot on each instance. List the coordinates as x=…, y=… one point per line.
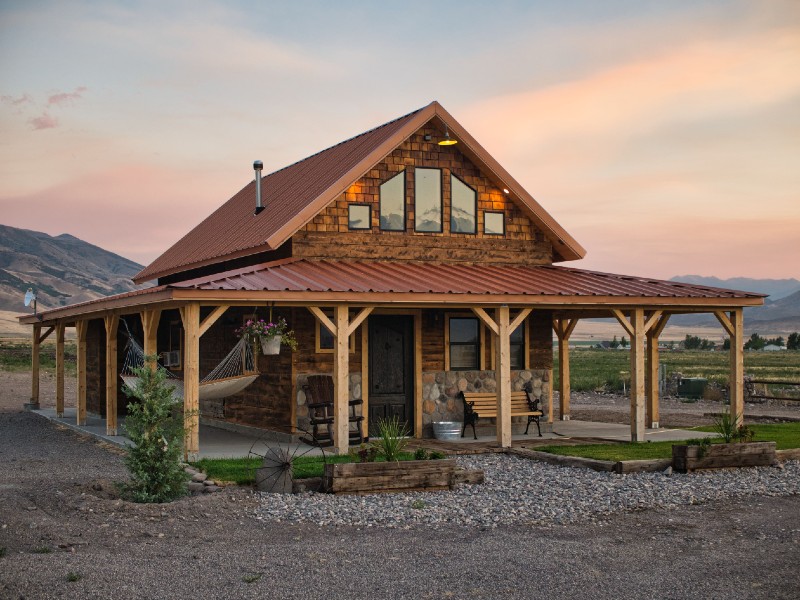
x=223, y=443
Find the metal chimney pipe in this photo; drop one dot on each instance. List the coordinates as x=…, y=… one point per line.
x=257, y=167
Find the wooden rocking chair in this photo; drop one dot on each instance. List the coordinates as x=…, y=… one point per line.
x=319, y=395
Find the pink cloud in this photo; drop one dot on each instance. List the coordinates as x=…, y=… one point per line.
x=24, y=99
x=44, y=121
x=66, y=97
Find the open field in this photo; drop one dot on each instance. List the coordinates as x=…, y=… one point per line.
x=587, y=331
x=593, y=369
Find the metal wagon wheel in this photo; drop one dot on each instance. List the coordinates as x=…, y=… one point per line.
x=275, y=475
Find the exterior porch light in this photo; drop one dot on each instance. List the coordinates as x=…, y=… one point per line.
x=506, y=191
x=447, y=140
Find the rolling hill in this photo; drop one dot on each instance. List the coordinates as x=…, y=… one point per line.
x=62, y=269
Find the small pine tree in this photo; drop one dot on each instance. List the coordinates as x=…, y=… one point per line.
x=154, y=461
x=793, y=343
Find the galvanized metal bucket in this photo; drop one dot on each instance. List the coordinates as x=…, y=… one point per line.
x=446, y=430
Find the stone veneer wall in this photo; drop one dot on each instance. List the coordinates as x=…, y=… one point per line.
x=440, y=393
x=302, y=400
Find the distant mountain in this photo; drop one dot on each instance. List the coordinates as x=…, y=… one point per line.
x=62, y=269
x=780, y=313
x=776, y=288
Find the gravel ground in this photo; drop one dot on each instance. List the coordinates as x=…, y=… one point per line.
x=514, y=494
x=65, y=533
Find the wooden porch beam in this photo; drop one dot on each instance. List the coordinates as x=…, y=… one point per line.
x=60, y=369
x=47, y=333
x=623, y=320
x=323, y=319
x=359, y=318
x=81, y=328
x=112, y=325
x=726, y=323
x=652, y=320
x=190, y=316
x=523, y=314
x=486, y=319
x=212, y=318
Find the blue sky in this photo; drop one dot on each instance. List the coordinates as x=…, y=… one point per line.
x=664, y=136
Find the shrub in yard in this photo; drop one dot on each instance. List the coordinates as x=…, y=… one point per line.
x=156, y=429
x=392, y=438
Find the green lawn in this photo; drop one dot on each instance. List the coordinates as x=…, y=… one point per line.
x=592, y=369
x=786, y=435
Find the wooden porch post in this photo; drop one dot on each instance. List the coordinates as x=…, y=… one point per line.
x=734, y=327
x=81, y=328
x=150, y=320
x=651, y=377
x=563, y=329
x=637, y=328
x=190, y=315
x=503, y=378
x=112, y=325
x=37, y=332
x=341, y=380
x=60, y=369
x=501, y=327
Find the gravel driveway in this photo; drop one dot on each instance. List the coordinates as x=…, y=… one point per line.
x=67, y=534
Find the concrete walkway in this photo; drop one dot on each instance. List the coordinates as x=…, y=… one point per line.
x=223, y=443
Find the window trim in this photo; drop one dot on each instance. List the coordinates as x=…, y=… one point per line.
x=494, y=212
x=474, y=212
x=369, y=220
x=481, y=341
x=405, y=202
x=441, y=200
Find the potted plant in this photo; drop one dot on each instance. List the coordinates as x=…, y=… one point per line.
x=270, y=334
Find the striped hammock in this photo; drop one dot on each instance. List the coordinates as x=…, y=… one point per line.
x=236, y=371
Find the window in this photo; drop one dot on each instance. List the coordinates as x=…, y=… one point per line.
x=359, y=216
x=325, y=339
x=463, y=206
x=427, y=200
x=494, y=223
x=464, y=343
x=517, y=339
x=393, y=203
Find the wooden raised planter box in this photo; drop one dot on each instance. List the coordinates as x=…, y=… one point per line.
x=403, y=476
x=687, y=458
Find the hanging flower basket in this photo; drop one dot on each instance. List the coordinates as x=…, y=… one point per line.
x=271, y=346
x=270, y=334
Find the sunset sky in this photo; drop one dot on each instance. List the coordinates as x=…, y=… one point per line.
x=664, y=136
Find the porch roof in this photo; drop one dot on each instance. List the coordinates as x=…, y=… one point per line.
x=296, y=280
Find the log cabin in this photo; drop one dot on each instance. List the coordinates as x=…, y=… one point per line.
x=411, y=266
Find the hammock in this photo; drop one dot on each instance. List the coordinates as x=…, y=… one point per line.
x=236, y=371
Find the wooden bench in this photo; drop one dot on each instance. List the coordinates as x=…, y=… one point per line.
x=480, y=405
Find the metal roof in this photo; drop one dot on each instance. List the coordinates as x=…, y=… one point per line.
x=296, y=194
x=303, y=275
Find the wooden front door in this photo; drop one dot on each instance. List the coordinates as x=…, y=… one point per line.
x=391, y=369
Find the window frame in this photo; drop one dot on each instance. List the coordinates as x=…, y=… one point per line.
x=494, y=212
x=481, y=342
x=526, y=352
x=441, y=201
x=369, y=219
x=405, y=202
x=474, y=211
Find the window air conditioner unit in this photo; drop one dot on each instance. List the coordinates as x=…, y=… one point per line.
x=171, y=359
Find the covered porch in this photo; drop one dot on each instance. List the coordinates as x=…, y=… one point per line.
x=345, y=297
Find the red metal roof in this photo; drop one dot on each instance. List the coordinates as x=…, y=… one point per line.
x=295, y=194
x=302, y=275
